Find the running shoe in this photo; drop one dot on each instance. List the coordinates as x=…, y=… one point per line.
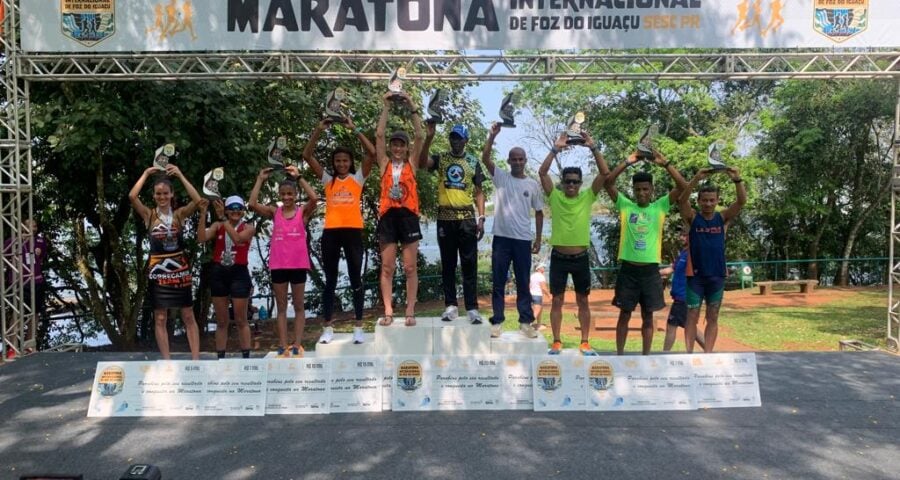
x=450, y=314
x=296, y=351
x=496, y=330
x=586, y=350
x=474, y=317
x=527, y=330
x=556, y=348
x=358, y=337
x=327, y=335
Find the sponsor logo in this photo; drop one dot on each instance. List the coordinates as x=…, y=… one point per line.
x=409, y=376
x=111, y=381
x=549, y=376
x=88, y=23
x=600, y=375
x=840, y=20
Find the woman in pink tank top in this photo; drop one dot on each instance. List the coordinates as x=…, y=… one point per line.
x=288, y=253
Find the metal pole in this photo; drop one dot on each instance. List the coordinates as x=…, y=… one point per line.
x=893, y=317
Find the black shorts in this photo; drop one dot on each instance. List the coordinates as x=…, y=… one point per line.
x=233, y=281
x=639, y=284
x=561, y=265
x=289, y=275
x=678, y=314
x=398, y=225
x=169, y=297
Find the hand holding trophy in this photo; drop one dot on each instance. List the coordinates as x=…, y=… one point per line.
x=574, y=132
x=163, y=156
x=334, y=106
x=395, y=85
x=275, y=153
x=436, y=107
x=714, y=155
x=211, y=182
x=507, y=112
x=645, y=144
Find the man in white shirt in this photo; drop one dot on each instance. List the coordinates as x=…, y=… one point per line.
x=516, y=196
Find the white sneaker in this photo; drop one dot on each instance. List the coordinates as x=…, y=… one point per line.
x=475, y=317
x=358, y=337
x=496, y=330
x=450, y=314
x=327, y=335
x=528, y=330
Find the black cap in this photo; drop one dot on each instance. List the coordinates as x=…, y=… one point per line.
x=398, y=135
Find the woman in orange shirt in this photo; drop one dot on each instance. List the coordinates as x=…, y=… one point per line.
x=343, y=221
x=399, y=208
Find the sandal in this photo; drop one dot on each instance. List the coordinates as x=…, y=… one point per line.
x=386, y=320
x=410, y=321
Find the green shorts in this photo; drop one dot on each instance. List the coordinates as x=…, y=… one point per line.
x=699, y=289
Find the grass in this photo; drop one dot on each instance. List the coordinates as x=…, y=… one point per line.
x=860, y=316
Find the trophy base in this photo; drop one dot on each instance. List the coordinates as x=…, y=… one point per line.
x=575, y=141
x=434, y=121
x=719, y=167
x=507, y=124
x=335, y=119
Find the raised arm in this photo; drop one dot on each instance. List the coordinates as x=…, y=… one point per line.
x=684, y=201
x=380, y=145
x=190, y=208
x=735, y=208
x=602, y=168
x=544, y=171
x=312, y=201
x=368, y=148
x=425, y=160
x=204, y=233
x=310, y=148
x=134, y=196
x=610, y=184
x=680, y=183
x=419, y=132
x=266, y=211
x=486, y=153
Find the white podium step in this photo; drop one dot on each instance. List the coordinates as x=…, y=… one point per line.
x=460, y=337
x=342, y=345
x=398, y=339
x=514, y=343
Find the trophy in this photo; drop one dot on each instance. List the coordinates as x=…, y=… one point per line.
x=645, y=144
x=507, y=112
x=396, y=83
x=714, y=155
x=211, y=182
x=436, y=107
x=275, y=153
x=573, y=132
x=163, y=156
x=334, y=106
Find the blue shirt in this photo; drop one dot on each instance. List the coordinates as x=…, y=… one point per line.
x=679, y=279
x=706, y=243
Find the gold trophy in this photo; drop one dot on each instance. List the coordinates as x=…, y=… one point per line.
x=574, y=131
x=714, y=155
x=436, y=107
x=396, y=83
x=334, y=106
x=645, y=144
x=507, y=112
x=275, y=153
x=163, y=156
x=211, y=182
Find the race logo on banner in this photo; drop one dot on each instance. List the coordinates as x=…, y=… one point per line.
x=841, y=19
x=88, y=23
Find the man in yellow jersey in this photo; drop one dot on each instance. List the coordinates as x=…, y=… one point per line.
x=640, y=246
x=458, y=227
x=570, y=237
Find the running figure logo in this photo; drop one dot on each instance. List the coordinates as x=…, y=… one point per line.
x=840, y=20
x=750, y=15
x=86, y=23
x=172, y=18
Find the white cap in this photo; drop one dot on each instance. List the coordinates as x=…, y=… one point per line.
x=234, y=199
x=540, y=266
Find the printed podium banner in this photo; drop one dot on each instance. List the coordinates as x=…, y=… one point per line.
x=300, y=25
x=568, y=382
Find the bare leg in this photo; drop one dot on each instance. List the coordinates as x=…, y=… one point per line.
x=411, y=270
x=671, y=333
x=191, y=331
x=388, y=267
x=556, y=315
x=537, y=309
x=160, y=317
x=280, y=291
x=622, y=331
x=297, y=291
x=584, y=315
x=712, y=327
x=690, y=329
x=647, y=330
x=240, y=317
x=220, y=305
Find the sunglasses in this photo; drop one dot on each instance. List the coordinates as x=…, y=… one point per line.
x=235, y=208
x=572, y=182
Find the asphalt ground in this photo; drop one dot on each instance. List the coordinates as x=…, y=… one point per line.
x=823, y=415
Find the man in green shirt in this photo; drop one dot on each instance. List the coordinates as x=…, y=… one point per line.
x=570, y=209
x=640, y=247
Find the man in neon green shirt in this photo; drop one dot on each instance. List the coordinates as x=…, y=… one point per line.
x=640, y=247
x=570, y=208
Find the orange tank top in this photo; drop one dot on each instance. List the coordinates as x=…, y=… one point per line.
x=343, y=201
x=401, y=195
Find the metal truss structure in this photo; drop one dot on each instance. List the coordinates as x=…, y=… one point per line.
x=20, y=68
